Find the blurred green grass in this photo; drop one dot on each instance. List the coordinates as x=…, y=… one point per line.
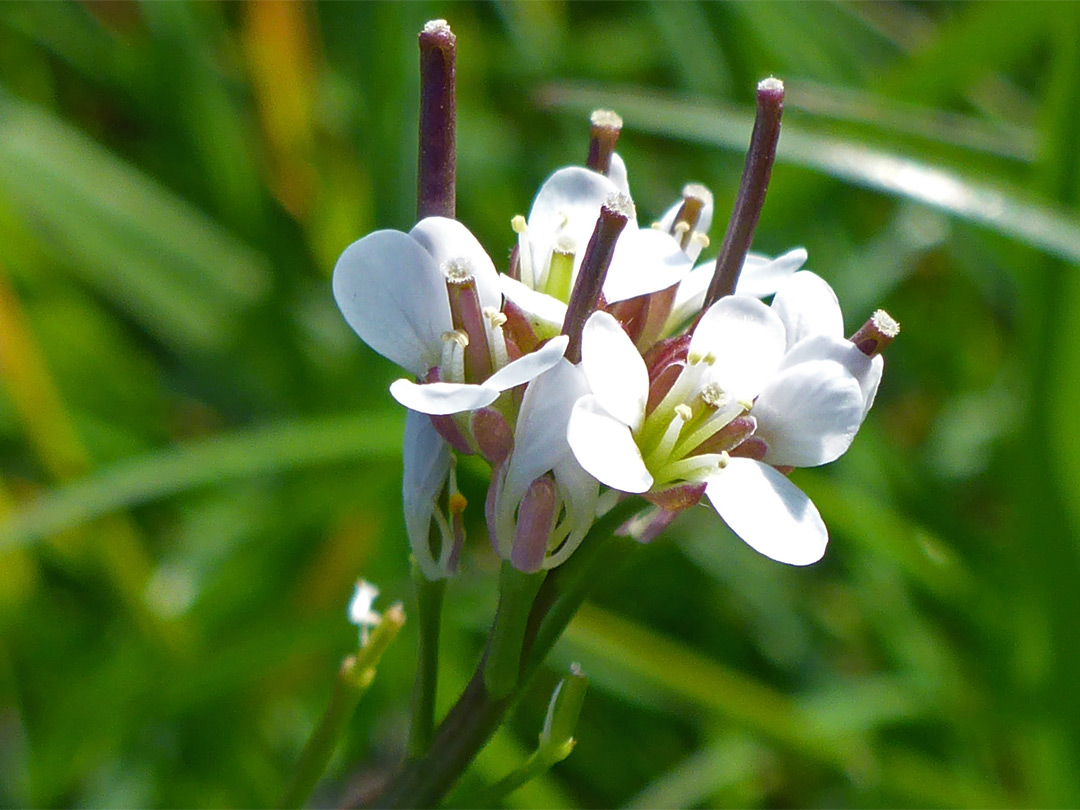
x=198, y=457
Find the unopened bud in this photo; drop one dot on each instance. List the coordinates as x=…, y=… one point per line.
x=876, y=334
x=493, y=435
x=563, y=711
x=536, y=518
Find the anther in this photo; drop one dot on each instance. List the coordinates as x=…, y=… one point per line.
x=494, y=317
x=518, y=224
x=457, y=336
x=724, y=459
x=683, y=412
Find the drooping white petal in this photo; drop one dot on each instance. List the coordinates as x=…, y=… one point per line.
x=442, y=398
x=762, y=276
x=427, y=461
x=644, y=261
x=614, y=368
x=809, y=414
x=392, y=294
x=540, y=433
x=771, y=515
x=617, y=174
x=567, y=205
x=545, y=313
x=808, y=306
x=865, y=369
x=747, y=340
x=447, y=240
x=604, y=446
x=529, y=366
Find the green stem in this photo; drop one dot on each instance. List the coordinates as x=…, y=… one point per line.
x=429, y=602
x=476, y=715
x=353, y=679
x=517, y=591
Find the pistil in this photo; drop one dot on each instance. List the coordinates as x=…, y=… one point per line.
x=604, y=130
x=751, y=198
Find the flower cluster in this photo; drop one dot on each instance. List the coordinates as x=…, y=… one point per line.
x=603, y=358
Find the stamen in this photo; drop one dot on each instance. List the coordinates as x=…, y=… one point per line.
x=518, y=224
x=695, y=198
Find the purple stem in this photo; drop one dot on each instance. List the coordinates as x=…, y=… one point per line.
x=436, y=186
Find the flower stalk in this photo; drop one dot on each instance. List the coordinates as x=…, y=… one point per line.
x=517, y=590
x=353, y=679
x=429, y=602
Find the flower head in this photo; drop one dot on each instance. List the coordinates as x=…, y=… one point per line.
x=430, y=301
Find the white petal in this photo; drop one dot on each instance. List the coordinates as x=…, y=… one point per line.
x=747, y=340
x=540, y=434
x=580, y=493
x=809, y=414
x=762, y=276
x=440, y=398
x=529, y=366
x=427, y=463
x=568, y=204
x=824, y=347
x=772, y=515
x=544, y=312
x=645, y=261
x=614, y=369
x=393, y=295
x=807, y=305
x=617, y=174
x=605, y=447
x=447, y=239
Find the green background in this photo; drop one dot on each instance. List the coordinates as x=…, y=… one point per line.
x=198, y=458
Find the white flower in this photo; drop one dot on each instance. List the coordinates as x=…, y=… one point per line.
x=541, y=448
x=736, y=352
x=552, y=243
x=360, y=608
x=760, y=277
x=799, y=407
x=392, y=288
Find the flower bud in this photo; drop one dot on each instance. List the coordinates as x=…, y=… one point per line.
x=493, y=435
x=535, y=520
